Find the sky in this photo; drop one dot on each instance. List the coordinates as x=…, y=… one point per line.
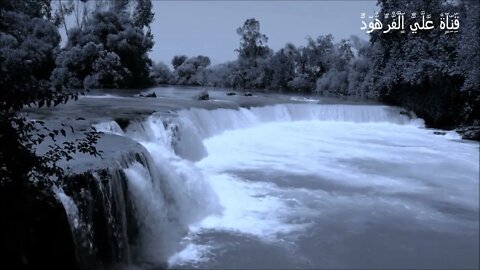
x=209, y=27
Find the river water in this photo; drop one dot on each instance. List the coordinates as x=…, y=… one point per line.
x=337, y=194
x=292, y=182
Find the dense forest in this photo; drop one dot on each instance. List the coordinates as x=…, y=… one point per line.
x=434, y=74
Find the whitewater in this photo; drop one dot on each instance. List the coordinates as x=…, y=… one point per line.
x=302, y=186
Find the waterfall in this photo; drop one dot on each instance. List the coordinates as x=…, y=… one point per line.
x=111, y=127
x=195, y=125
x=211, y=122
x=101, y=215
x=163, y=191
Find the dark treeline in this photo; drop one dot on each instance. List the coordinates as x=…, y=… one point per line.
x=436, y=75
x=320, y=67
x=432, y=73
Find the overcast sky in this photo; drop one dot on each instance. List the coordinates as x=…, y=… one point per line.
x=209, y=27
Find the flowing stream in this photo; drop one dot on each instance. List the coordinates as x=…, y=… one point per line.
x=302, y=186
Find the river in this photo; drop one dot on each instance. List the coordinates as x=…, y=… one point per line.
x=281, y=181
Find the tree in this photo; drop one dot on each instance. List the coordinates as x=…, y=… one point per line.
x=81, y=10
x=282, y=66
x=143, y=15
x=252, y=56
x=29, y=44
x=361, y=79
x=109, y=51
x=252, y=42
x=314, y=60
x=335, y=79
x=191, y=71
x=222, y=75
x=161, y=74
x=468, y=59
x=415, y=69
x=89, y=66
x=178, y=60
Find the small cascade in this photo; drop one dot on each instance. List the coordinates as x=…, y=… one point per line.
x=109, y=127
x=207, y=123
x=195, y=125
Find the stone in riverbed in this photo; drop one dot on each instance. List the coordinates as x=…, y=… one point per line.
x=406, y=113
x=35, y=230
x=231, y=94
x=204, y=96
x=149, y=95
x=248, y=94
x=470, y=133
x=122, y=122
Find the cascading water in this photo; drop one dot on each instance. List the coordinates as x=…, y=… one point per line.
x=207, y=123
x=195, y=125
x=111, y=127
x=171, y=194
x=101, y=213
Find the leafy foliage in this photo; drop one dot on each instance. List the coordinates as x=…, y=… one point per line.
x=110, y=50
x=406, y=69
x=431, y=67
x=252, y=56
x=161, y=73
x=190, y=71
x=252, y=42
x=28, y=48
x=321, y=66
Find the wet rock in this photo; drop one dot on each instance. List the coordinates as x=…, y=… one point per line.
x=248, y=94
x=439, y=132
x=35, y=230
x=106, y=217
x=231, y=94
x=149, y=95
x=406, y=113
x=122, y=122
x=204, y=96
x=80, y=118
x=470, y=133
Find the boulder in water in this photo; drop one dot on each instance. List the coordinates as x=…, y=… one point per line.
x=150, y=95
x=231, y=94
x=470, y=133
x=122, y=122
x=406, y=113
x=35, y=230
x=204, y=95
x=248, y=94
